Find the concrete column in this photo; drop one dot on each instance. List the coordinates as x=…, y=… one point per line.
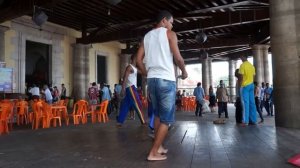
x=3, y=29
x=258, y=63
x=232, y=67
x=210, y=77
x=205, y=76
x=284, y=28
x=265, y=52
x=124, y=61
x=80, y=71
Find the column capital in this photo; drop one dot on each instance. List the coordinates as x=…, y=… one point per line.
x=260, y=47
x=232, y=60
x=79, y=45
x=3, y=28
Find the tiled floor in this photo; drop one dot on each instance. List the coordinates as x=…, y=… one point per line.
x=205, y=145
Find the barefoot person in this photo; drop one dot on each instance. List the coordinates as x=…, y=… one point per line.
x=155, y=58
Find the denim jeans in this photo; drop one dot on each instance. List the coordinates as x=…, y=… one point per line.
x=249, y=104
x=162, y=96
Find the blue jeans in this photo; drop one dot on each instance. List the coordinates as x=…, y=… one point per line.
x=249, y=104
x=162, y=96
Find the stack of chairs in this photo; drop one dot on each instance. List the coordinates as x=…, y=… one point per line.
x=6, y=116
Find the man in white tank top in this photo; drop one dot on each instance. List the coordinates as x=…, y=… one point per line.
x=131, y=98
x=155, y=58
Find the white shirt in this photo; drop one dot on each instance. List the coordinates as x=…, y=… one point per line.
x=262, y=93
x=48, y=95
x=158, y=57
x=132, y=77
x=35, y=91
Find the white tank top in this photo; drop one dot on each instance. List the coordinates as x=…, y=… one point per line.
x=132, y=77
x=158, y=57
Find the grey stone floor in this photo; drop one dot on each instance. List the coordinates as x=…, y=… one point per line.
x=100, y=145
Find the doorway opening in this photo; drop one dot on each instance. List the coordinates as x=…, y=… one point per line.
x=101, y=69
x=38, y=63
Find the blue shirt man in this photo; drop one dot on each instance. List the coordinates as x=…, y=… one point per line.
x=199, y=93
x=118, y=89
x=105, y=93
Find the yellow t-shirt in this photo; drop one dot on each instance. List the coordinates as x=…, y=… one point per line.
x=248, y=72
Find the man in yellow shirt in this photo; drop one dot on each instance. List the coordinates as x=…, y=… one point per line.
x=246, y=74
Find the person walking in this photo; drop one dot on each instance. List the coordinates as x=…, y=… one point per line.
x=131, y=98
x=199, y=94
x=155, y=57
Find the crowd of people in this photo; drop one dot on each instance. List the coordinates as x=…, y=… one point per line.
x=48, y=93
x=158, y=67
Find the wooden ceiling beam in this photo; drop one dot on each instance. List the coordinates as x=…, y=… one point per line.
x=217, y=43
x=227, y=6
x=194, y=54
x=228, y=19
x=220, y=20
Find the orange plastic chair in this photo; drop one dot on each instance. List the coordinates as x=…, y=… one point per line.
x=22, y=112
x=5, y=115
x=51, y=115
x=39, y=115
x=60, y=103
x=92, y=112
x=80, y=107
x=184, y=101
x=192, y=103
x=84, y=112
x=62, y=112
x=102, y=113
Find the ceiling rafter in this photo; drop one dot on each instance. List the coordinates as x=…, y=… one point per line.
x=226, y=20
x=231, y=25
x=240, y=3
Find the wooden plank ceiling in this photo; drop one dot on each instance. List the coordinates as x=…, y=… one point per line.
x=232, y=26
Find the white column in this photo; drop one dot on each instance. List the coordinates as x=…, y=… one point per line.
x=210, y=76
x=232, y=67
x=258, y=63
x=265, y=53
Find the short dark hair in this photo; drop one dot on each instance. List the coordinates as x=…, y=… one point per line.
x=199, y=84
x=244, y=56
x=94, y=84
x=236, y=73
x=163, y=14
